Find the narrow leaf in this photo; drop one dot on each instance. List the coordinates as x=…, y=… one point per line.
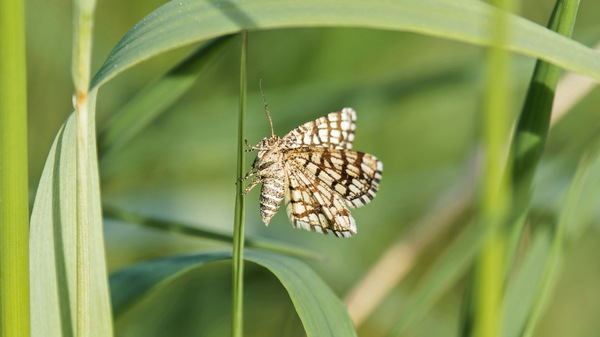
x=53, y=243
x=320, y=310
x=322, y=313
x=157, y=96
x=180, y=23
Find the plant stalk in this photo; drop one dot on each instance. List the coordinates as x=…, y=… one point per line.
x=495, y=192
x=81, y=68
x=238, y=230
x=14, y=201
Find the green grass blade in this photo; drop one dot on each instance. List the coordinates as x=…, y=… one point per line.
x=532, y=128
x=53, y=244
x=528, y=144
x=534, y=121
x=238, y=224
x=454, y=263
x=146, y=106
x=14, y=200
x=320, y=310
x=173, y=226
x=131, y=284
x=578, y=212
x=521, y=291
x=179, y=23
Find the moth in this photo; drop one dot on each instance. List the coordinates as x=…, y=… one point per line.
x=314, y=169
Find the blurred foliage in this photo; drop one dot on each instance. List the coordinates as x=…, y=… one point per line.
x=418, y=104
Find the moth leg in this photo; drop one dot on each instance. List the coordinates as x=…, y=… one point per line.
x=255, y=181
x=249, y=174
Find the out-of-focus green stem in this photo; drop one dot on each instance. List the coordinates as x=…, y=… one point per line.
x=493, y=207
x=14, y=209
x=238, y=230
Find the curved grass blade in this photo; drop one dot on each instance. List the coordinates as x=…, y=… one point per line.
x=53, y=241
x=131, y=284
x=321, y=312
x=173, y=226
x=454, y=263
x=527, y=147
x=157, y=96
x=180, y=23
x=579, y=209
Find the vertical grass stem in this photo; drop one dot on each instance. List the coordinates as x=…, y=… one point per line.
x=490, y=265
x=81, y=61
x=238, y=230
x=14, y=208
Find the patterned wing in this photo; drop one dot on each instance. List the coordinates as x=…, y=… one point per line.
x=335, y=130
x=352, y=175
x=312, y=205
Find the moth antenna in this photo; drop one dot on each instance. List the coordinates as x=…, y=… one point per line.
x=266, y=107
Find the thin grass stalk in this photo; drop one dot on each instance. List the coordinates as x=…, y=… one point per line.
x=489, y=268
x=14, y=207
x=238, y=229
x=81, y=58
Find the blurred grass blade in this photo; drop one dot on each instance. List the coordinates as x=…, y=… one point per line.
x=131, y=284
x=14, y=200
x=578, y=212
x=528, y=143
x=322, y=313
x=532, y=128
x=452, y=265
x=53, y=243
x=180, y=23
x=149, y=103
x=523, y=286
x=173, y=226
x=238, y=221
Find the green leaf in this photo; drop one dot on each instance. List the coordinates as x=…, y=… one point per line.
x=522, y=299
x=320, y=310
x=53, y=244
x=173, y=226
x=154, y=99
x=180, y=23
x=452, y=265
x=522, y=289
x=131, y=284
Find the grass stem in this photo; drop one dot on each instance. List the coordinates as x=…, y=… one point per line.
x=81, y=67
x=238, y=231
x=14, y=201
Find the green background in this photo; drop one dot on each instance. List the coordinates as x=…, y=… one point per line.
x=419, y=106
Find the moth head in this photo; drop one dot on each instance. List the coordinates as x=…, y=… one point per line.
x=267, y=143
